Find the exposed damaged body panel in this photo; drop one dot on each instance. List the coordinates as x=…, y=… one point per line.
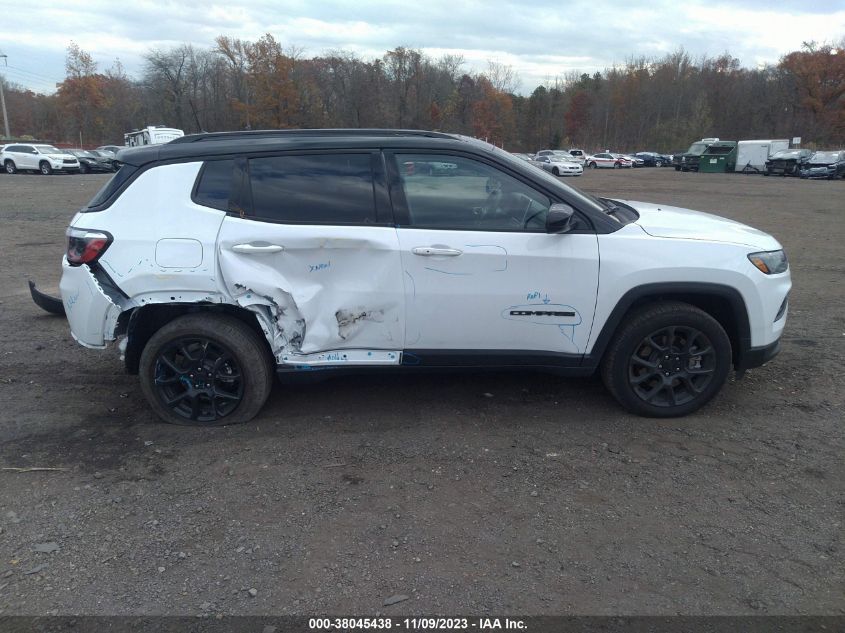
x=322, y=288
x=91, y=311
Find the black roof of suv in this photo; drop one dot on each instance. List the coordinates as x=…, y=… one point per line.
x=225, y=143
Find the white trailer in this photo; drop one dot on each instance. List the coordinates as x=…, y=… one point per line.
x=151, y=135
x=752, y=155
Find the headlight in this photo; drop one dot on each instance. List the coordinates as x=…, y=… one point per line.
x=770, y=262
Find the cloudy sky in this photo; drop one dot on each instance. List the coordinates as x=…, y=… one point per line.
x=540, y=39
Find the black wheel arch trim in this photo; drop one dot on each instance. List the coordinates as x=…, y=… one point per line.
x=739, y=329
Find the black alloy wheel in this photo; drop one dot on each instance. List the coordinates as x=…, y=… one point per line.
x=206, y=369
x=198, y=379
x=667, y=359
x=672, y=366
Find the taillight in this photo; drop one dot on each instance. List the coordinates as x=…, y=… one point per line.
x=84, y=246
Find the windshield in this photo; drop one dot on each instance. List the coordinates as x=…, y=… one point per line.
x=716, y=150
x=82, y=153
x=697, y=149
x=48, y=149
x=825, y=157
x=787, y=154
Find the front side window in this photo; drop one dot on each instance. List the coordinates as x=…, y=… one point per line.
x=471, y=196
x=313, y=189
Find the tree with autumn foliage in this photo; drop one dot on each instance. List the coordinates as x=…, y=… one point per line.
x=659, y=104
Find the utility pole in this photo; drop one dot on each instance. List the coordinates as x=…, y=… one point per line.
x=3, y=101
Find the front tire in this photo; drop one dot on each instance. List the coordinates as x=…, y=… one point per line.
x=44, y=168
x=556, y=172
x=668, y=360
x=206, y=370
x=592, y=165
x=10, y=167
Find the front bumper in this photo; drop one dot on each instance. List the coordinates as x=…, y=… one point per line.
x=57, y=166
x=818, y=172
x=757, y=356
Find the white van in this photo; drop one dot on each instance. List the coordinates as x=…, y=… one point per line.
x=151, y=135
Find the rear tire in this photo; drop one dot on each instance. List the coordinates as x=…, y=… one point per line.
x=44, y=168
x=667, y=360
x=10, y=167
x=206, y=370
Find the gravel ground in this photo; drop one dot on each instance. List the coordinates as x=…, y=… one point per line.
x=485, y=493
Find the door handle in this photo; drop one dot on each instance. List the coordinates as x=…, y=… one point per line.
x=257, y=249
x=428, y=251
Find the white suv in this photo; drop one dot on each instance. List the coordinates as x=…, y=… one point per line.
x=37, y=157
x=221, y=259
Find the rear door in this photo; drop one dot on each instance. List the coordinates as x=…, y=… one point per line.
x=315, y=254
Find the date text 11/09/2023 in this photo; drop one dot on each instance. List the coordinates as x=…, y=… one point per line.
x=416, y=624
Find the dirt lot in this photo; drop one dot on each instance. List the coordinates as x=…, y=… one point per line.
x=517, y=493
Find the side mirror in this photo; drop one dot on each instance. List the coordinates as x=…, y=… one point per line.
x=559, y=218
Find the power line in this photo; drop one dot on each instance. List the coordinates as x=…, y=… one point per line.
x=30, y=81
x=27, y=72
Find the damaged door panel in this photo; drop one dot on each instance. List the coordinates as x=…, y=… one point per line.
x=328, y=288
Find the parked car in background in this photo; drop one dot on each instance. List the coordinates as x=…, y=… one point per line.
x=522, y=156
x=653, y=159
x=553, y=152
x=37, y=157
x=90, y=162
x=634, y=160
x=828, y=165
x=332, y=259
x=787, y=162
x=559, y=165
x=607, y=160
x=579, y=154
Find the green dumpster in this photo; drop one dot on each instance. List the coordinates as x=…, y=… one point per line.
x=720, y=157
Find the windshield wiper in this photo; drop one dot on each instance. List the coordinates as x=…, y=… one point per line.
x=610, y=206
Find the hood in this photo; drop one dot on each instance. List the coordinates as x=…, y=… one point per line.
x=674, y=222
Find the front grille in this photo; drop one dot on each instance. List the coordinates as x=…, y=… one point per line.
x=69, y=161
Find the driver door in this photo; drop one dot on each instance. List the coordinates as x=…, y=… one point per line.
x=480, y=272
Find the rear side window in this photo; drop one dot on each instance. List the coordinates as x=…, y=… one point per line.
x=313, y=189
x=214, y=186
x=111, y=187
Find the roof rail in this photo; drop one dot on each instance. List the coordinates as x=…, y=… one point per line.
x=255, y=134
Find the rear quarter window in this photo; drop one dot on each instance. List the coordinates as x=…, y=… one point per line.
x=215, y=184
x=110, y=189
